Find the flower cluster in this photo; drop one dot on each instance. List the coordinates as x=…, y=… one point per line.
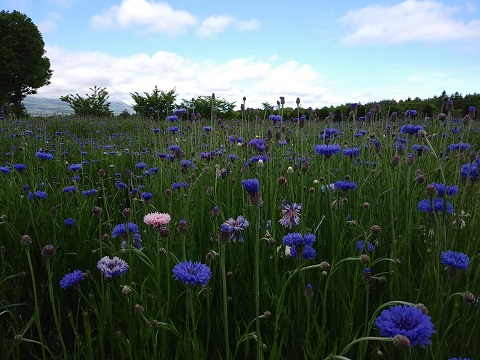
x=327, y=150
x=435, y=205
x=300, y=246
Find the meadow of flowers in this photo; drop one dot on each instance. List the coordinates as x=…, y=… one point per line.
x=260, y=237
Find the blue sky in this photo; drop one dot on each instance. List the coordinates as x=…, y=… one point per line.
x=324, y=52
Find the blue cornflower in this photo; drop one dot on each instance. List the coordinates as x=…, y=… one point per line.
x=43, y=155
x=42, y=195
x=419, y=148
x=121, y=185
x=70, y=222
x=351, y=152
x=20, y=167
x=5, y=169
x=275, y=118
x=290, y=215
x=327, y=150
x=456, y=260
x=178, y=185
x=251, y=186
x=258, y=144
x=207, y=128
x=141, y=165
x=235, y=228
x=363, y=246
x=459, y=358
x=74, y=167
x=173, y=129
x=91, y=192
x=451, y=189
x=410, y=113
x=172, y=118
x=69, y=189
x=459, y=146
x=192, y=273
x=146, y=196
x=303, y=243
x=71, y=279
x=425, y=205
x=411, y=129
x=344, y=185
x=181, y=111
x=122, y=230
x=112, y=267
x=471, y=171
x=408, y=321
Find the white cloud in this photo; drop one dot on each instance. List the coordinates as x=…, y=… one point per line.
x=50, y=23
x=409, y=20
x=213, y=25
x=146, y=16
x=258, y=79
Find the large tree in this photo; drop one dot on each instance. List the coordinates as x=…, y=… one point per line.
x=95, y=104
x=157, y=105
x=23, y=65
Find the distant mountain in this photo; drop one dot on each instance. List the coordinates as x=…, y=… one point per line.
x=37, y=106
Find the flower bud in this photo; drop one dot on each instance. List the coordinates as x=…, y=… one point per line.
x=25, y=240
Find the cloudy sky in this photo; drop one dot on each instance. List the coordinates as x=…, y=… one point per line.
x=325, y=52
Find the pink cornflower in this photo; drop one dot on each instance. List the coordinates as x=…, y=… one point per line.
x=156, y=219
x=291, y=215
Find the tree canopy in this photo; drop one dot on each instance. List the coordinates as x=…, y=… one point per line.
x=95, y=104
x=23, y=65
x=156, y=105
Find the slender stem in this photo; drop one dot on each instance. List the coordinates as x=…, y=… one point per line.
x=35, y=299
x=225, y=308
x=257, y=288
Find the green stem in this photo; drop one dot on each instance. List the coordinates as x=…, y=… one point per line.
x=257, y=288
x=225, y=302
x=35, y=298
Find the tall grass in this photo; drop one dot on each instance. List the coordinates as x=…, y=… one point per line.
x=259, y=302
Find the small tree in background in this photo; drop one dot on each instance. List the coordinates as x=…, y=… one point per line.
x=94, y=104
x=157, y=104
x=203, y=105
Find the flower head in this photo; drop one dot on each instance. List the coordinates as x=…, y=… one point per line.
x=123, y=230
x=112, y=267
x=156, y=219
x=251, y=186
x=291, y=215
x=192, y=273
x=327, y=150
x=71, y=279
x=235, y=228
x=408, y=321
x=435, y=205
x=457, y=260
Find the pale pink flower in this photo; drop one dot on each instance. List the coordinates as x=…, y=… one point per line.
x=156, y=219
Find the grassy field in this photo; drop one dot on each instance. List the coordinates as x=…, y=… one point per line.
x=251, y=238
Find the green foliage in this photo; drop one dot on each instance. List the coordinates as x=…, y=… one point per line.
x=94, y=104
x=23, y=66
x=203, y=105
x=158, y=104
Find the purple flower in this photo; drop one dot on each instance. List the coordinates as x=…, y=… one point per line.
x=74, y=167
x=235, y=227
x=363, y=246
x=192, y=273
x=291, y=215
x=70, y=222
x=297, y=242
x=408, y=321
x=450, y=189
x=43, y=155
x=344, y=185
x=327, y=150
x=456, y=260
x=251, y=186
x=112, y=267
x=20, y=167
x=425, y=205
x=71, y=279
x=351, y=152
x=122, y=230
x=91, y=192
